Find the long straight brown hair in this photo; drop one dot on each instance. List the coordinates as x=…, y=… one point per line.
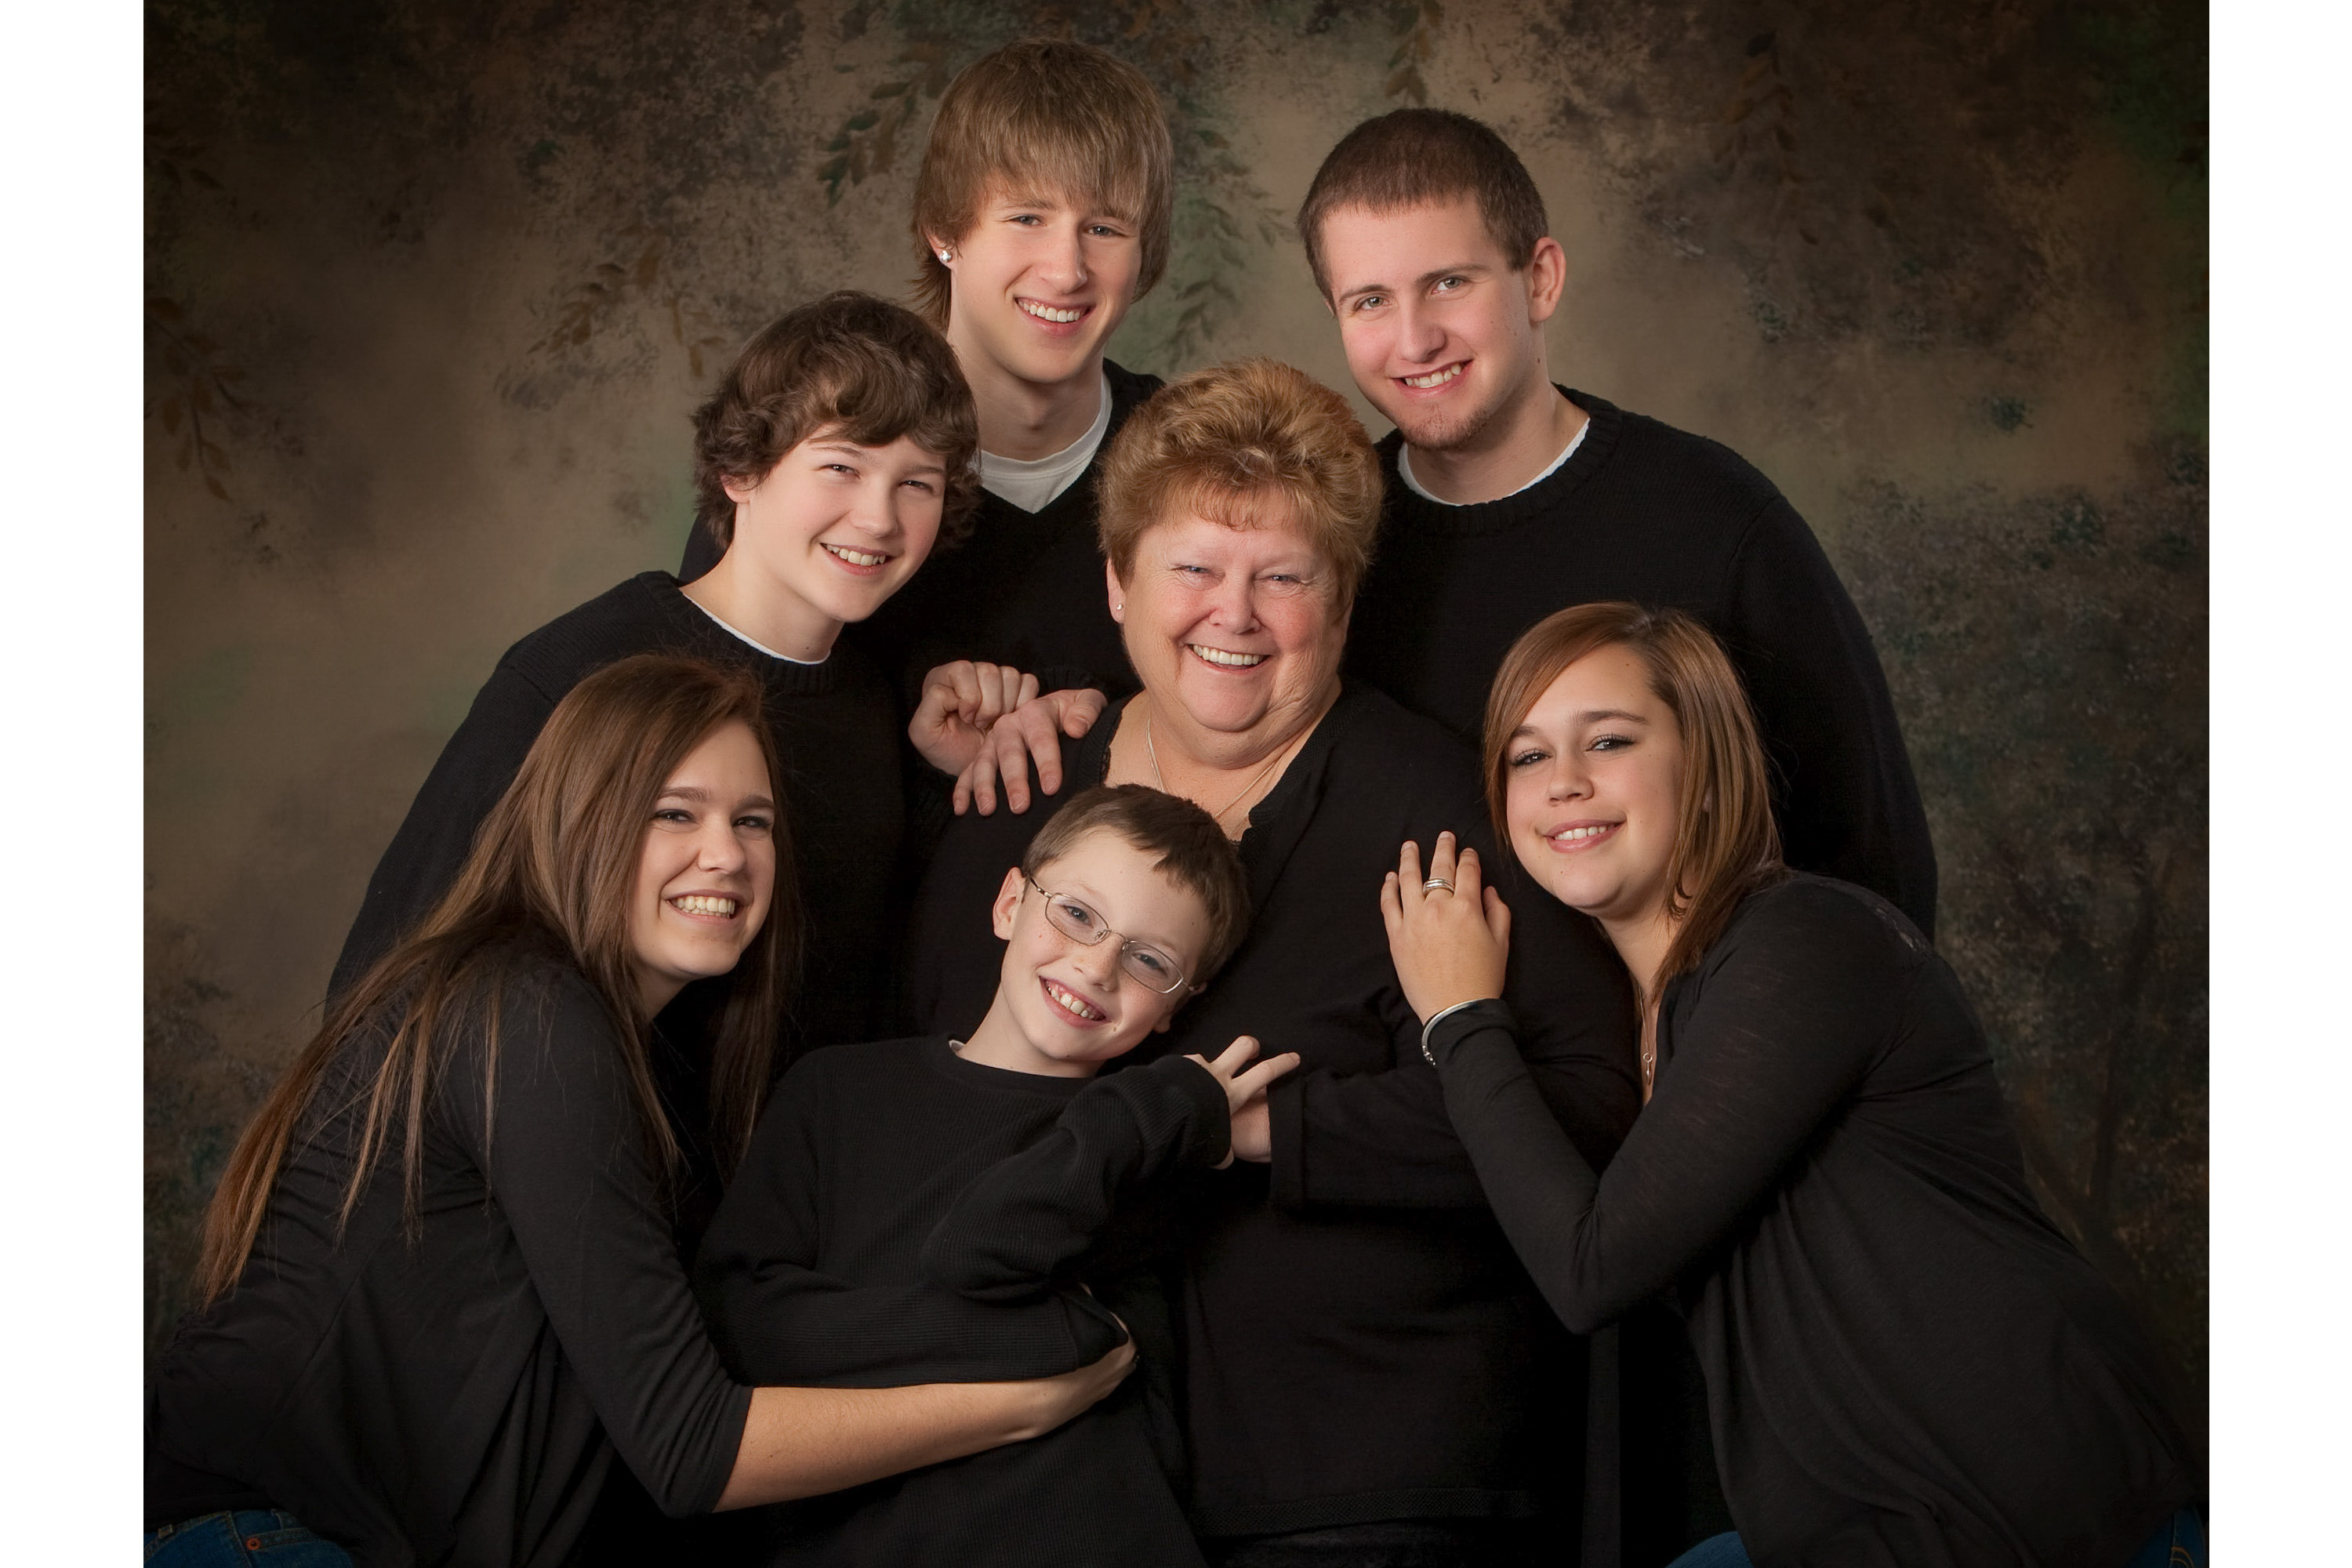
x=556, y=861
x=1726, y=845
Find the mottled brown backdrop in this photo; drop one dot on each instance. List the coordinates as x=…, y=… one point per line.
x=433, y=284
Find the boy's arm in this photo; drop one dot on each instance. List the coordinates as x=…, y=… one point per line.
x=777, y=1319
x=1019, y=1229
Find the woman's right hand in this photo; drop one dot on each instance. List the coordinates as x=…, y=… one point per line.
x=1059, y=1399
x=1029, y=733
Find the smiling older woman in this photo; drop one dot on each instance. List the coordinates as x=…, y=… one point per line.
x=1367, y=1371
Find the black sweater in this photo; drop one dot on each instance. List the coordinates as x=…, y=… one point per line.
x=1024, y=588
x=837, y=728
x=837, y=1257
x=1646, y=512
x=1907, y=1364
x=460, y=1399
x=1360, y=1343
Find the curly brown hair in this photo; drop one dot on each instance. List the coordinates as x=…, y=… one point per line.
x=847, y=365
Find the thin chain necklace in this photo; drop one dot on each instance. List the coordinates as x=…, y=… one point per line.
x=1218, y=815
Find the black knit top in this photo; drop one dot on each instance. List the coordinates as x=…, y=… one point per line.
x=905, y=1215
x=1646, y=512
x=461, y=1396
x=837, y=730
x=1907, y=1364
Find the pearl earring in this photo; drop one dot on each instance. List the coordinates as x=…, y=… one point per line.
x=946, y=256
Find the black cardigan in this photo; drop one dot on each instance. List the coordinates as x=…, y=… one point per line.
x=1907, y=1364
x=459, y=1398
x=887, y=1179
x=1024, y=588
x=1646, y=512
x=1360, y=1343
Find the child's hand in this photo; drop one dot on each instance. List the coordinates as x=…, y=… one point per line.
x=961, y=702
x=1449, y=947
x=1246, y=1086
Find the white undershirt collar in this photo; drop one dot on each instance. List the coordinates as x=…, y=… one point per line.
x=1032, y=483
x=740, y=634
x=1404, y=470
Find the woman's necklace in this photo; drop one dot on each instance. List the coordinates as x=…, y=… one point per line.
x=1218, y=815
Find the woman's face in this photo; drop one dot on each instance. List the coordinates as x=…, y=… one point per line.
x=1233, y=628
x=1595, y=774
x=706, y=870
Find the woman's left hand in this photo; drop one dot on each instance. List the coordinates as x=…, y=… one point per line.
x=1449, y=947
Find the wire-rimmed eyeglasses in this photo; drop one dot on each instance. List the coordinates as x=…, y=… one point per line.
x=1145, y=964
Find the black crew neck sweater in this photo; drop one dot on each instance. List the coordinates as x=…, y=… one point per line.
x=905, y=1215
x=1907, y=1365
x=837, y=730
x=1358, y=1342
x=1646, y=512
x=458, y=1399
x=1023, y=588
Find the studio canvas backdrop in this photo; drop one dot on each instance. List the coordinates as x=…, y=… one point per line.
x=433, y=287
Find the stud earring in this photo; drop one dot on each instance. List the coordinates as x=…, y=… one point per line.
x=946, y=256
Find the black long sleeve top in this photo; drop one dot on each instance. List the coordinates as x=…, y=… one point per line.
x=1357, y=1342
x=1024, y=588
x=1646, y=512
x=839, y=1254
x=459, y=1399
x=1907, y=1364
x=837, y=729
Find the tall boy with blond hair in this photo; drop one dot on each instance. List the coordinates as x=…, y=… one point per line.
x=1041, y=214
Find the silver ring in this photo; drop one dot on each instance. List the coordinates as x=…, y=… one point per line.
x=1437, y=882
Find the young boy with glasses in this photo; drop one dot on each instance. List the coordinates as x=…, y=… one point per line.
x=985, y=1209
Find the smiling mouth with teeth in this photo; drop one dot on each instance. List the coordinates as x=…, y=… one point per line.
x=1225, y=659
x=856, y=557
x=703, y=904
x=1071, y=1002
x=1048, y=314
x=1435, y=377
x=1579, y=835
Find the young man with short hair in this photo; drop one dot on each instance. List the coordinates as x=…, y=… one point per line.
x=1510, y=496
x=1041, y=214
x=939, y=1210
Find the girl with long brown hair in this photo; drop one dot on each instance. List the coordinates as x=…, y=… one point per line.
x=1907, y=1364
x=441, y=1289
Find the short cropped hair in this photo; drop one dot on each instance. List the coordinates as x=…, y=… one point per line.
x=1191, y=851
x=849, y=364
x=1217, y=440
x=1421, y=157
x=1065, y=118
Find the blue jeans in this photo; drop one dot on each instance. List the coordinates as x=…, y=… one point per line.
x=246, y=1539
x=2178, y=1542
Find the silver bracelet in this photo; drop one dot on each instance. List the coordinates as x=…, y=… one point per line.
x=1434, y=1020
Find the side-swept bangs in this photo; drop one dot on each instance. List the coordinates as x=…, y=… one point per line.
x=1052, y=119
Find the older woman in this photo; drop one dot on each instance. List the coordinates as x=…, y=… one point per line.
x=1369, y=1378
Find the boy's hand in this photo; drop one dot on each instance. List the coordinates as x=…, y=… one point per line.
x=961, y=702
x=1031, y=730
x=1449, y=947
x=1246, y=1086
